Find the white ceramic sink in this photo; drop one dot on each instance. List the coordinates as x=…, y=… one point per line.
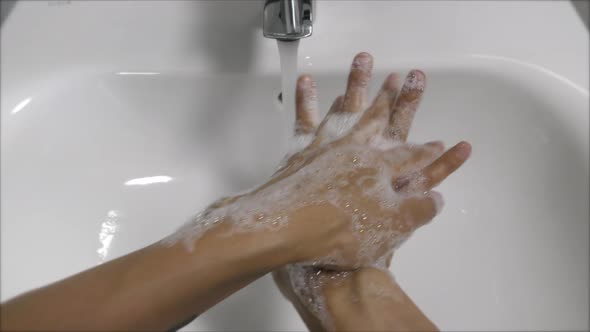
x=101, y=97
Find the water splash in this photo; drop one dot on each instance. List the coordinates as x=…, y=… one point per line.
x=107, y=232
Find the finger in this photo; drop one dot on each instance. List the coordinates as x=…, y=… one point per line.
x=420, y=210
x=380, y=109
x=335, y=124
x=433, y=174
x=406, y=105
x=421, y=156
x=414, y=157
x=334, y=110
x=336, y=105
x=358, y=80
x=306, y=106
x=389, y=91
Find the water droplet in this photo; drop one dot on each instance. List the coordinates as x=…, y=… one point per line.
x=355, y=210
x=361, y=231
x=346, y=204
x=364, y=217
x=379, y=225
x=260, y=217
x=463, y=211
x=318, y=273
x=355, y=160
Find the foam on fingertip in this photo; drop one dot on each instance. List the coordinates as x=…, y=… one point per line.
x=363, y=61
x=415, y=81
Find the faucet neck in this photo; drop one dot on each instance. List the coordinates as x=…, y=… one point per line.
x=288, y=19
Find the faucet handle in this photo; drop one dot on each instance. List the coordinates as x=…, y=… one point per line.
x=287, y=19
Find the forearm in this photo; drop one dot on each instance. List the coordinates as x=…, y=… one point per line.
x=154, y=288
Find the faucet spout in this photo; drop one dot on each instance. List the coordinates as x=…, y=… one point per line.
x=287, y=19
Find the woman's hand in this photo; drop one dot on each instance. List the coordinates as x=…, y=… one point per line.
x=355, y=156
x=355, y=190
x=324, y=298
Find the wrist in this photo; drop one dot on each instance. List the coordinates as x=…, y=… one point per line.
x=255, y=251
x=361, y=287
x=243, y=228
x=294, y=233
x=370, y=297
x=354, y=300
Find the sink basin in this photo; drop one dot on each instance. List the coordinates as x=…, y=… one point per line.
x=115, y=130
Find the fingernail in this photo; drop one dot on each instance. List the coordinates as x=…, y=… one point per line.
x=305, y=81
x=416, y=80
x=392, y=81
x=362, y=60
x=417, y=74
x=463, y=150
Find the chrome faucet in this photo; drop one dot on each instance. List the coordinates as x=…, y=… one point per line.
x=287, y=19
